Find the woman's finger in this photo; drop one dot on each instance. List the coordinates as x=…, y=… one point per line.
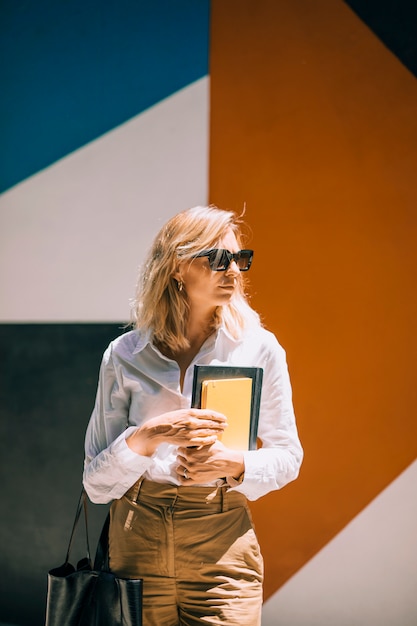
x=208, y=414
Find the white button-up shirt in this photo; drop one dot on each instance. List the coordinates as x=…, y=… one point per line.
x=137, y=382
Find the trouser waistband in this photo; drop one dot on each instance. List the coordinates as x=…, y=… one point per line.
x=213, y=499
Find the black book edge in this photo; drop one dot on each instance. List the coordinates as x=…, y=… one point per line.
x=217, y=372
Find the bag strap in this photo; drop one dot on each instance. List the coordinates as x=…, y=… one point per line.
x=82, y=504
x=101, y=561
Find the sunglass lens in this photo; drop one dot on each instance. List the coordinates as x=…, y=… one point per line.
x=222, y=260
x=218, y=260
x=244, y=260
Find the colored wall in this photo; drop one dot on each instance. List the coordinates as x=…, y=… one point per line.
x=72, y=234
x=313, y=127
x=114, y=123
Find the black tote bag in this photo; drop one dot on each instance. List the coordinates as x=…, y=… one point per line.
x=92, y=596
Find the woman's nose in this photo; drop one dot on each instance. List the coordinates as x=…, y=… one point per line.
x=233, y=268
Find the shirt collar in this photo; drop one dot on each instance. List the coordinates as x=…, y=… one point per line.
x=144, y=338
x=222, y=330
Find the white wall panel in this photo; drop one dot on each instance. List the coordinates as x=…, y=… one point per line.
x=72, y=236
x=366, y=576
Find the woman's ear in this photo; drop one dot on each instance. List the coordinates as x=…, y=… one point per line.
x=177, y=275
x=178, y=272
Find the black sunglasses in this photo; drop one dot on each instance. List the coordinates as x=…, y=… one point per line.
x=219, y=259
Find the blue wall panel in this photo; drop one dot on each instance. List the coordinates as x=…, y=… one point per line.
x=72, y=70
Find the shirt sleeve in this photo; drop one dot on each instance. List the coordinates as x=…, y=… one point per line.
x=110, y=466
x=278, y=461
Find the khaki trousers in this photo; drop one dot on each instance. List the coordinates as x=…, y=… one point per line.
x=195, y=548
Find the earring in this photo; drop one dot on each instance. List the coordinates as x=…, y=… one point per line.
x=180, y=285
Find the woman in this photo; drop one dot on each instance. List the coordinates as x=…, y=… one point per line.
x=179, y=517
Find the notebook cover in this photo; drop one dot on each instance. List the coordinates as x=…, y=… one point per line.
x=231, y=400
x=232, y=397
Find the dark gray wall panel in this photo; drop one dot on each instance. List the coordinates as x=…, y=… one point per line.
x=48, y=375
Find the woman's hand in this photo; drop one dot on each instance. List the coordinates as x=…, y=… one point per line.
x=184, y=427
x=208, y=463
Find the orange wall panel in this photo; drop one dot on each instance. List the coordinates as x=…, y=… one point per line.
x=314, y=127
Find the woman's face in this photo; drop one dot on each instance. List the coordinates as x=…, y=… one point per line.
x=207, y=289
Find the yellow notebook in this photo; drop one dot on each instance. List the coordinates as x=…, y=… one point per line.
x=232, y=397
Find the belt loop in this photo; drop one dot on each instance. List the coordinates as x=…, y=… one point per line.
x=136, y=489
x=225, y=502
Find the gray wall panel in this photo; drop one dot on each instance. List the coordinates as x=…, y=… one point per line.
x=48, y=375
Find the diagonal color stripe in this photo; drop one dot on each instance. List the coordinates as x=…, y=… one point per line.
x=366, y=575
x=395, y=23
x=72, y=236
x=72, y=71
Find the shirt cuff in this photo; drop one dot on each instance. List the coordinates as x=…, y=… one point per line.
x=126, y=457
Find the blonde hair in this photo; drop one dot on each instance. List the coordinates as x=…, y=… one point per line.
x=159, y=306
